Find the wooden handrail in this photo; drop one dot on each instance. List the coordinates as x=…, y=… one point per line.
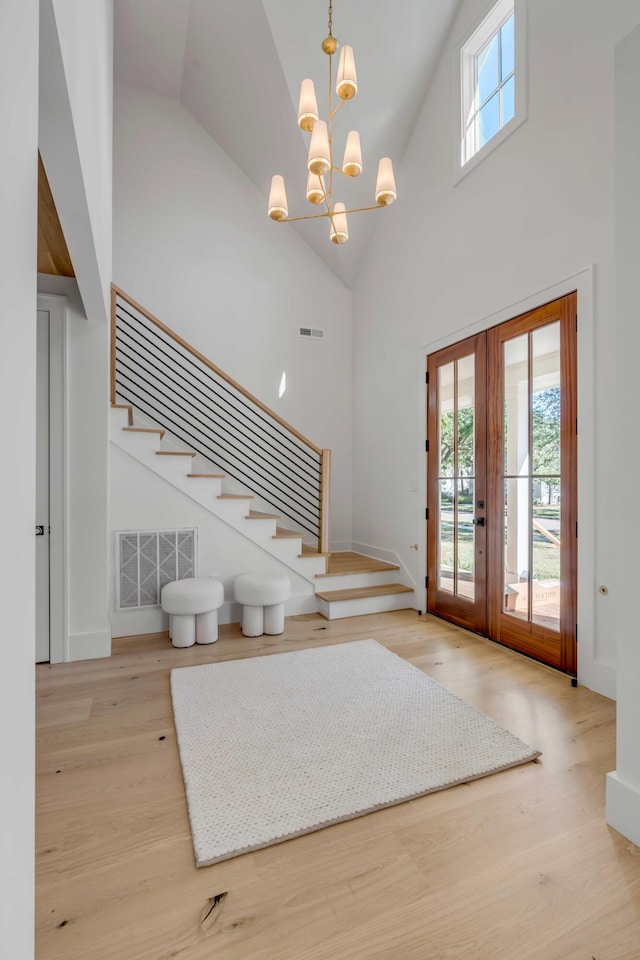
x=117, y=292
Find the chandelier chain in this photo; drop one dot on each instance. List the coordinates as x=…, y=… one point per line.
x=330, y=18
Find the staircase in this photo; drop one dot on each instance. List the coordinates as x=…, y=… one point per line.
x=181, y=417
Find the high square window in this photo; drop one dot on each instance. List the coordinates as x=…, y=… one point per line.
x=492, y=75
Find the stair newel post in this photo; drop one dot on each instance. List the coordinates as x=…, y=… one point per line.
x=325, y=487
x=112, y=388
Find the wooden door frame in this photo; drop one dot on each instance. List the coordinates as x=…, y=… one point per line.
x=55, y=306
x=593, y=670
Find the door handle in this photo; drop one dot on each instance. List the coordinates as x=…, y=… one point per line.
x=478, y=521
x=40, y=530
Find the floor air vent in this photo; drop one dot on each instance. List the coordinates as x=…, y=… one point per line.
x=311, y=333
x=147, y=559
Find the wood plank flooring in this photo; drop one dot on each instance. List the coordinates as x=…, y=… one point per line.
x=516, y=866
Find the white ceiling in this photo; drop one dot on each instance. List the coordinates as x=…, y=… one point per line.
x=236, y=65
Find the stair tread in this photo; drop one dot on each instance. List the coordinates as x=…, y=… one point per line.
x=211, y=476
x=347, y=562
x=309, y=551
x=145, y=430
x=175, y=453
x=283, y=534
x=362, y=593
x=235, y=496
x=256, y=515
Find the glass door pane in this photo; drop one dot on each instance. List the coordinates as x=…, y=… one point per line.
x=531, y=402
x=456, y=476
x=446, y=565
x=546, y=559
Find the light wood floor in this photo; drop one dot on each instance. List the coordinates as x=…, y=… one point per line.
x=517, y=866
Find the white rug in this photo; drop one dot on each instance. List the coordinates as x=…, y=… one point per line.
x=275, y=747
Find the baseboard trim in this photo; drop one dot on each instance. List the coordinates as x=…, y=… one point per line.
x=88, y=646
x=623, y=807
x=387, y=556
x=341, y=546
x=136, y=623
x=598, y=676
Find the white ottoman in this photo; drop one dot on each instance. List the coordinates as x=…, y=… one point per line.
x=262, y=596
x=192, y=606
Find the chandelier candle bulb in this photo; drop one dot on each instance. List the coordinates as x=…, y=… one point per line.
x=386, y=183
x=319, y=151
x=315, y=188
x=278, y=207
x=347, y=81
x=339, y=227
x=352, y=162
x=308, y=106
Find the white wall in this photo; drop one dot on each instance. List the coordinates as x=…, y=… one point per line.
x=536, y=211
x=193, y=244
x=87, y=435
x=18, y=193
x=623, y=786
x=141, y=500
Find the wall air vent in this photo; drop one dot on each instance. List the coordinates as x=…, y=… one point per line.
x=147, y=559
x=311, y=334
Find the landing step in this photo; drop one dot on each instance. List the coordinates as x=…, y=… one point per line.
x=363, y=593
x=347, y=562
x=208, y=476
x=235, y=496
x=256, y=515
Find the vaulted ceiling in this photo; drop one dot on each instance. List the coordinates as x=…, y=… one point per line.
x=236, y=65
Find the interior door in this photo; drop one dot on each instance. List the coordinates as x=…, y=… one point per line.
x=502, y=483
x=42, y=489
x=533, y=483
x=456, y=531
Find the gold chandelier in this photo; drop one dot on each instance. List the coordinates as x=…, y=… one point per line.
x=320, y=159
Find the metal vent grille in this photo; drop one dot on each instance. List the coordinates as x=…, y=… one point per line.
x=148, y=559
x=312, y=333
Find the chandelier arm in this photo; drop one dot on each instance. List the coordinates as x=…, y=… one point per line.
x=310, y=216
x=378, y=206
x=320, y=216
x=339, y=107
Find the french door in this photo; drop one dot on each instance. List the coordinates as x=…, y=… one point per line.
x=501, y=470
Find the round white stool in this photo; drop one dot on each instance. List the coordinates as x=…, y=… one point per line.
x=192, y=606
x=262, y=596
